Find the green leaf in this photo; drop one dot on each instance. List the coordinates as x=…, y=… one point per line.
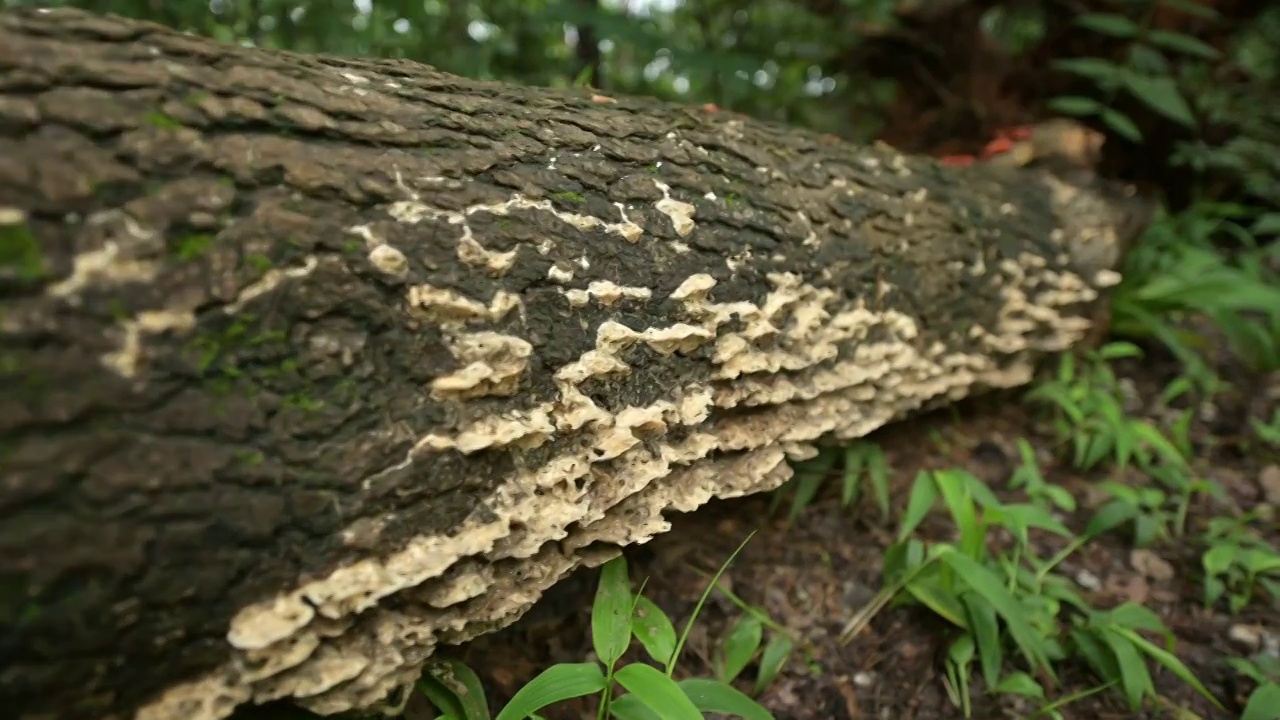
x=989, y=586
x=631, y=707
x=1109, y=24
x=463, y=684
x=901, y=559
x=1121, y=124
x=611, y=612
x=961, y=651
x=654, y=630
x=1134, y=678
x=740, y=646
x=1060, y=497
x=924, y=493
x=1137, y=617
x=1158, y=442
x=1170, y=662
x=1110, y=516
x=928, y=591
x=1028, y=473
x=1161, y=94
x=1093, y=451
x=1020, y=683
x=1077, y=105
x=1103, y=72
x=440, y=696
x=851, y=488
x=557, y=683
x=1026, y=515
x=1258, y=561
x=806, y=489
x=772, y=660
x=978, y=490
x=1219, y=558
x=1264, y=703
x=655, y=689
x=1147, y=59
x=1095, y=653
x=1184, y=44
x=954, y=489
x=986, y=635
x=711, y=696
x=1268, y=224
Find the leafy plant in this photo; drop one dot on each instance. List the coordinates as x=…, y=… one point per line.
x=1263, y=669
x=1176, y=274
x=862, y=463
x=1237, y=562
x=1089, y=415
x=1014, y=599
x=1268, y=432
x=651, y=691
x=1145, y=75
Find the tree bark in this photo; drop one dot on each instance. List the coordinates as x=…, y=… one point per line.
x=313, y=363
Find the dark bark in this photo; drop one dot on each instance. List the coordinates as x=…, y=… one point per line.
x=313, y=363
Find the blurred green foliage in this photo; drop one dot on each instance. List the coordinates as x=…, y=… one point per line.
x=793, y=61
x=769, y=59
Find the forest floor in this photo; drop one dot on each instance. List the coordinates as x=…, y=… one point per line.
x=811, y=576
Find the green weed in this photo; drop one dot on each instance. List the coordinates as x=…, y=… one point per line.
x=1015, y=600
x=862, y=464
x=635, y=691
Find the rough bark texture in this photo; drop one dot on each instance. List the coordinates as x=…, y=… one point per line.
x=312, y=364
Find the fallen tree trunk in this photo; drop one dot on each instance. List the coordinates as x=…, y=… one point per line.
x=312, y=364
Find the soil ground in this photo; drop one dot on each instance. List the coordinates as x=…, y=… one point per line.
x=812, y=576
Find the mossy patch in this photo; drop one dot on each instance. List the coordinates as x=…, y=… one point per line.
x=160, y=120
x=251, y=458
x=569, y=197
x=244, y=359
x=259, y=262
x=303, y=402
x=19, y=250
x=190, y=247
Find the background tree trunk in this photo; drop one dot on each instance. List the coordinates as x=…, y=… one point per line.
x=313, y=363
